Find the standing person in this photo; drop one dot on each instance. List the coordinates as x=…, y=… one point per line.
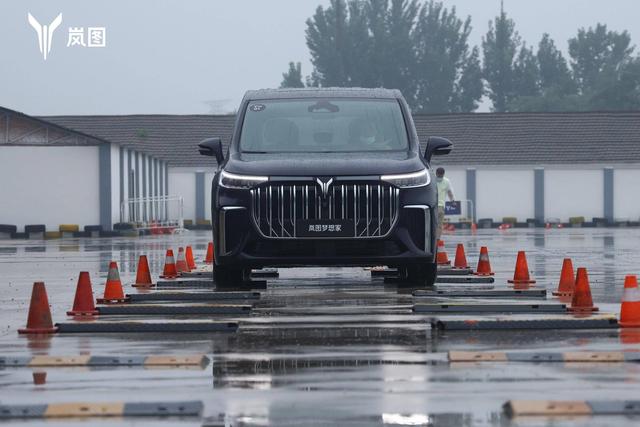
x=444, y=190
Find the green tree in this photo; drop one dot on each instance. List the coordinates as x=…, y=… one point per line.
x=555, y=76
x=526, y=74
x=500, y=46
x=423, y=51
x=293, y=77
x=597, y=55
x=447, y=75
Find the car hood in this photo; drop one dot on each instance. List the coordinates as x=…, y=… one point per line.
x=324, y=164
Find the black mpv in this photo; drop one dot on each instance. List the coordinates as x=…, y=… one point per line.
x=324, y=177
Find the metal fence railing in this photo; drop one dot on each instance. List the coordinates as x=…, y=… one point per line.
x=163, y=213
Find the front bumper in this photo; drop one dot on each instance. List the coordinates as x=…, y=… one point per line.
x=238, y=242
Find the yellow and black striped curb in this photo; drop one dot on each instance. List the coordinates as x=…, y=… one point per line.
x=517, y=408
x=489, y=308
x=147, y=327
x=193, y=296
x=69, y=228
x=89, y=360
x=172, y=309
x=474, y=293
x=104, y=409
x=522, y=324
x=538, y=357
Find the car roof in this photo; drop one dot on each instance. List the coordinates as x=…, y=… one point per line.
x=336, y=92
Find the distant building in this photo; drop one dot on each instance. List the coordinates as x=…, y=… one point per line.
x=531, y=166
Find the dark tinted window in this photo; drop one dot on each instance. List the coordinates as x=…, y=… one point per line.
x=323, y=125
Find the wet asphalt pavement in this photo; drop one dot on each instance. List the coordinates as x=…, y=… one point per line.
x=326, y=346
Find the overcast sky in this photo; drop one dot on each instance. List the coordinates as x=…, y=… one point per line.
x=199, y=56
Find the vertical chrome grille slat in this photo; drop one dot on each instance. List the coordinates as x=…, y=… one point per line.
x=277, y=208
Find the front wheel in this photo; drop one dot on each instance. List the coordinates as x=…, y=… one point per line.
x=422, y=275
x=228, y=276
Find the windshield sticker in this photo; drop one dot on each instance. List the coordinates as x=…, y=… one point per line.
x=257, y=107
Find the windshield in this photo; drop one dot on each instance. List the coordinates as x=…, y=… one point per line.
x=323, y=126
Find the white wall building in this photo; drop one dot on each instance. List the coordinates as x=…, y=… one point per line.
x=542, y=166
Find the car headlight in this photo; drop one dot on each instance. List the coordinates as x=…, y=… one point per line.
x=409, y=180
x=240, y=182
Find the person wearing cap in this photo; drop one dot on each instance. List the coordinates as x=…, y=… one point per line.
x=444, y=190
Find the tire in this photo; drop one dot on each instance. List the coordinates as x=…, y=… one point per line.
x=228, y=276
x=422, y=275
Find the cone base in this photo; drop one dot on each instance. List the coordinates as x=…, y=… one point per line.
x=444, y=263
x=459, y=268
x=112, y=300
x=40, y=331
x=83, y=313
x=162, y=276
x=582, y=309
x=521, y=282
x=143, y=285
x=629, y=324
x=484, y=274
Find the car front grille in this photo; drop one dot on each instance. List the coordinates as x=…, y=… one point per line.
x=277, y=208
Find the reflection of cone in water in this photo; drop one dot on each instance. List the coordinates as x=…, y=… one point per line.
x=521, y=273
x=113, y=292
x=460, y=262
x=630, y=335
x=39, y=319
x=582, y=301
x=169, y=271
x=188, y=254
x=83, y=302
x=209, y=258
x=39, y=378
x=442, y=258
x=181, y=262
x=484, y=267
x=630, y=307
x=143, y=275
x=567, y=279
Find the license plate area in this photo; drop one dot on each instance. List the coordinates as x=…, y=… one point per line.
x=325, y=228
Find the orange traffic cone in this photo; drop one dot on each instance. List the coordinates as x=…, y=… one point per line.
x=113, y=292
x=567, y=279
x=630, y=307
x=581, y=301
x=83, y=302
x=521, y=274
x=143, y=275
x=484, y=266
x=460, y=262
x=39, y=319
x=209, y=257
x=181, y=262
x=442, y=258
x=188, y=253
x=169, y=271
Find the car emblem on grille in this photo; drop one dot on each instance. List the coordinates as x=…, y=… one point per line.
x=324, y=186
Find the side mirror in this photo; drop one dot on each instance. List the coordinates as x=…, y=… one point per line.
x=437, y=146
x=212, y=147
